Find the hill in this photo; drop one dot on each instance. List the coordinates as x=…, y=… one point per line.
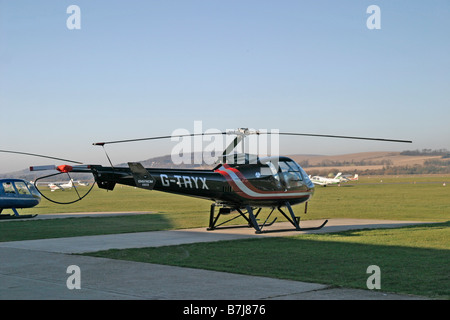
x=374, y=160
x=380, y=162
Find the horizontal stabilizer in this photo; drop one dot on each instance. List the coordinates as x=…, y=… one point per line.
x=142, y=177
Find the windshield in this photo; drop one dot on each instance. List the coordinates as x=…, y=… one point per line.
x=291, y=173
x=289, y=166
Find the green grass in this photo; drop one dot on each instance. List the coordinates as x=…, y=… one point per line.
x=367, y=199
x=167, y=212
x=77, y=227
x=394, y=199
x=121, y=199
x=419, y=267
x=391, y=201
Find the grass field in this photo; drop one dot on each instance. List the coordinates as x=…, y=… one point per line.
x=399, y=197
x=412, y=260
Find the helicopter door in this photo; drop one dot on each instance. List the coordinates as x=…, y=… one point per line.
x=275, y=175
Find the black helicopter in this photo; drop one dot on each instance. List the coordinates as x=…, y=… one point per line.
x=240, y=183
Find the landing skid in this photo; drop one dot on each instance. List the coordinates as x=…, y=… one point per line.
x=251, y=218
x=16, y=215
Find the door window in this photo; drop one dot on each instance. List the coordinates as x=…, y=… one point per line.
x=8, y=188
x=22, y=188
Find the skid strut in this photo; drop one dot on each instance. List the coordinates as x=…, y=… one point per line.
x=295, y=221
x=251, y=218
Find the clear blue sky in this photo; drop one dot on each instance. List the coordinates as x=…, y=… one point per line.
x=145, y=68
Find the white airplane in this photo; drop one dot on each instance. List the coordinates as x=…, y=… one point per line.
x=60, y=186
x=323, y=181
x=63, y=186
x=349, y=178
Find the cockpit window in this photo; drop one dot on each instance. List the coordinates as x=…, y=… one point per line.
x=289, y=166
x=291, y=174
x=8, y=188
x=22, y=188
x=33, y=190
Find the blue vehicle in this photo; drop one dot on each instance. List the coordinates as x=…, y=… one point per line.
x=17, y=194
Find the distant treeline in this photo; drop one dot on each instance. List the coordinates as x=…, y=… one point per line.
x=435, y=166
x=429, y=167
x=427, y=152
x=333, y=163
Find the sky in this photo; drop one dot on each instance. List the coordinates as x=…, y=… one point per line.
x=138, y=69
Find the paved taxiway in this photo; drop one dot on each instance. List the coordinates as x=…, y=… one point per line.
x=36, y=269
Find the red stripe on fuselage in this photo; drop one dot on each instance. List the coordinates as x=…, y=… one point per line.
x=244, y=180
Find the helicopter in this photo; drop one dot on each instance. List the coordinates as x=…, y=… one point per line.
x=17, y=193
x=243, y=184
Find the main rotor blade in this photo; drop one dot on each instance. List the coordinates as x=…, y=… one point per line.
x=245, y=133
x=156, y=138
x=41, y=156
x=342, y=137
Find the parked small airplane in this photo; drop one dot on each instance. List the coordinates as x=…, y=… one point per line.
x=348, y=177
x=61, y=186
x=323, y=181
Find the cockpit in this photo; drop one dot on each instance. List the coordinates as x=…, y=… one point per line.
x=273, y=173
x=15, y=187
x=286, y=173
x=18, y=187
